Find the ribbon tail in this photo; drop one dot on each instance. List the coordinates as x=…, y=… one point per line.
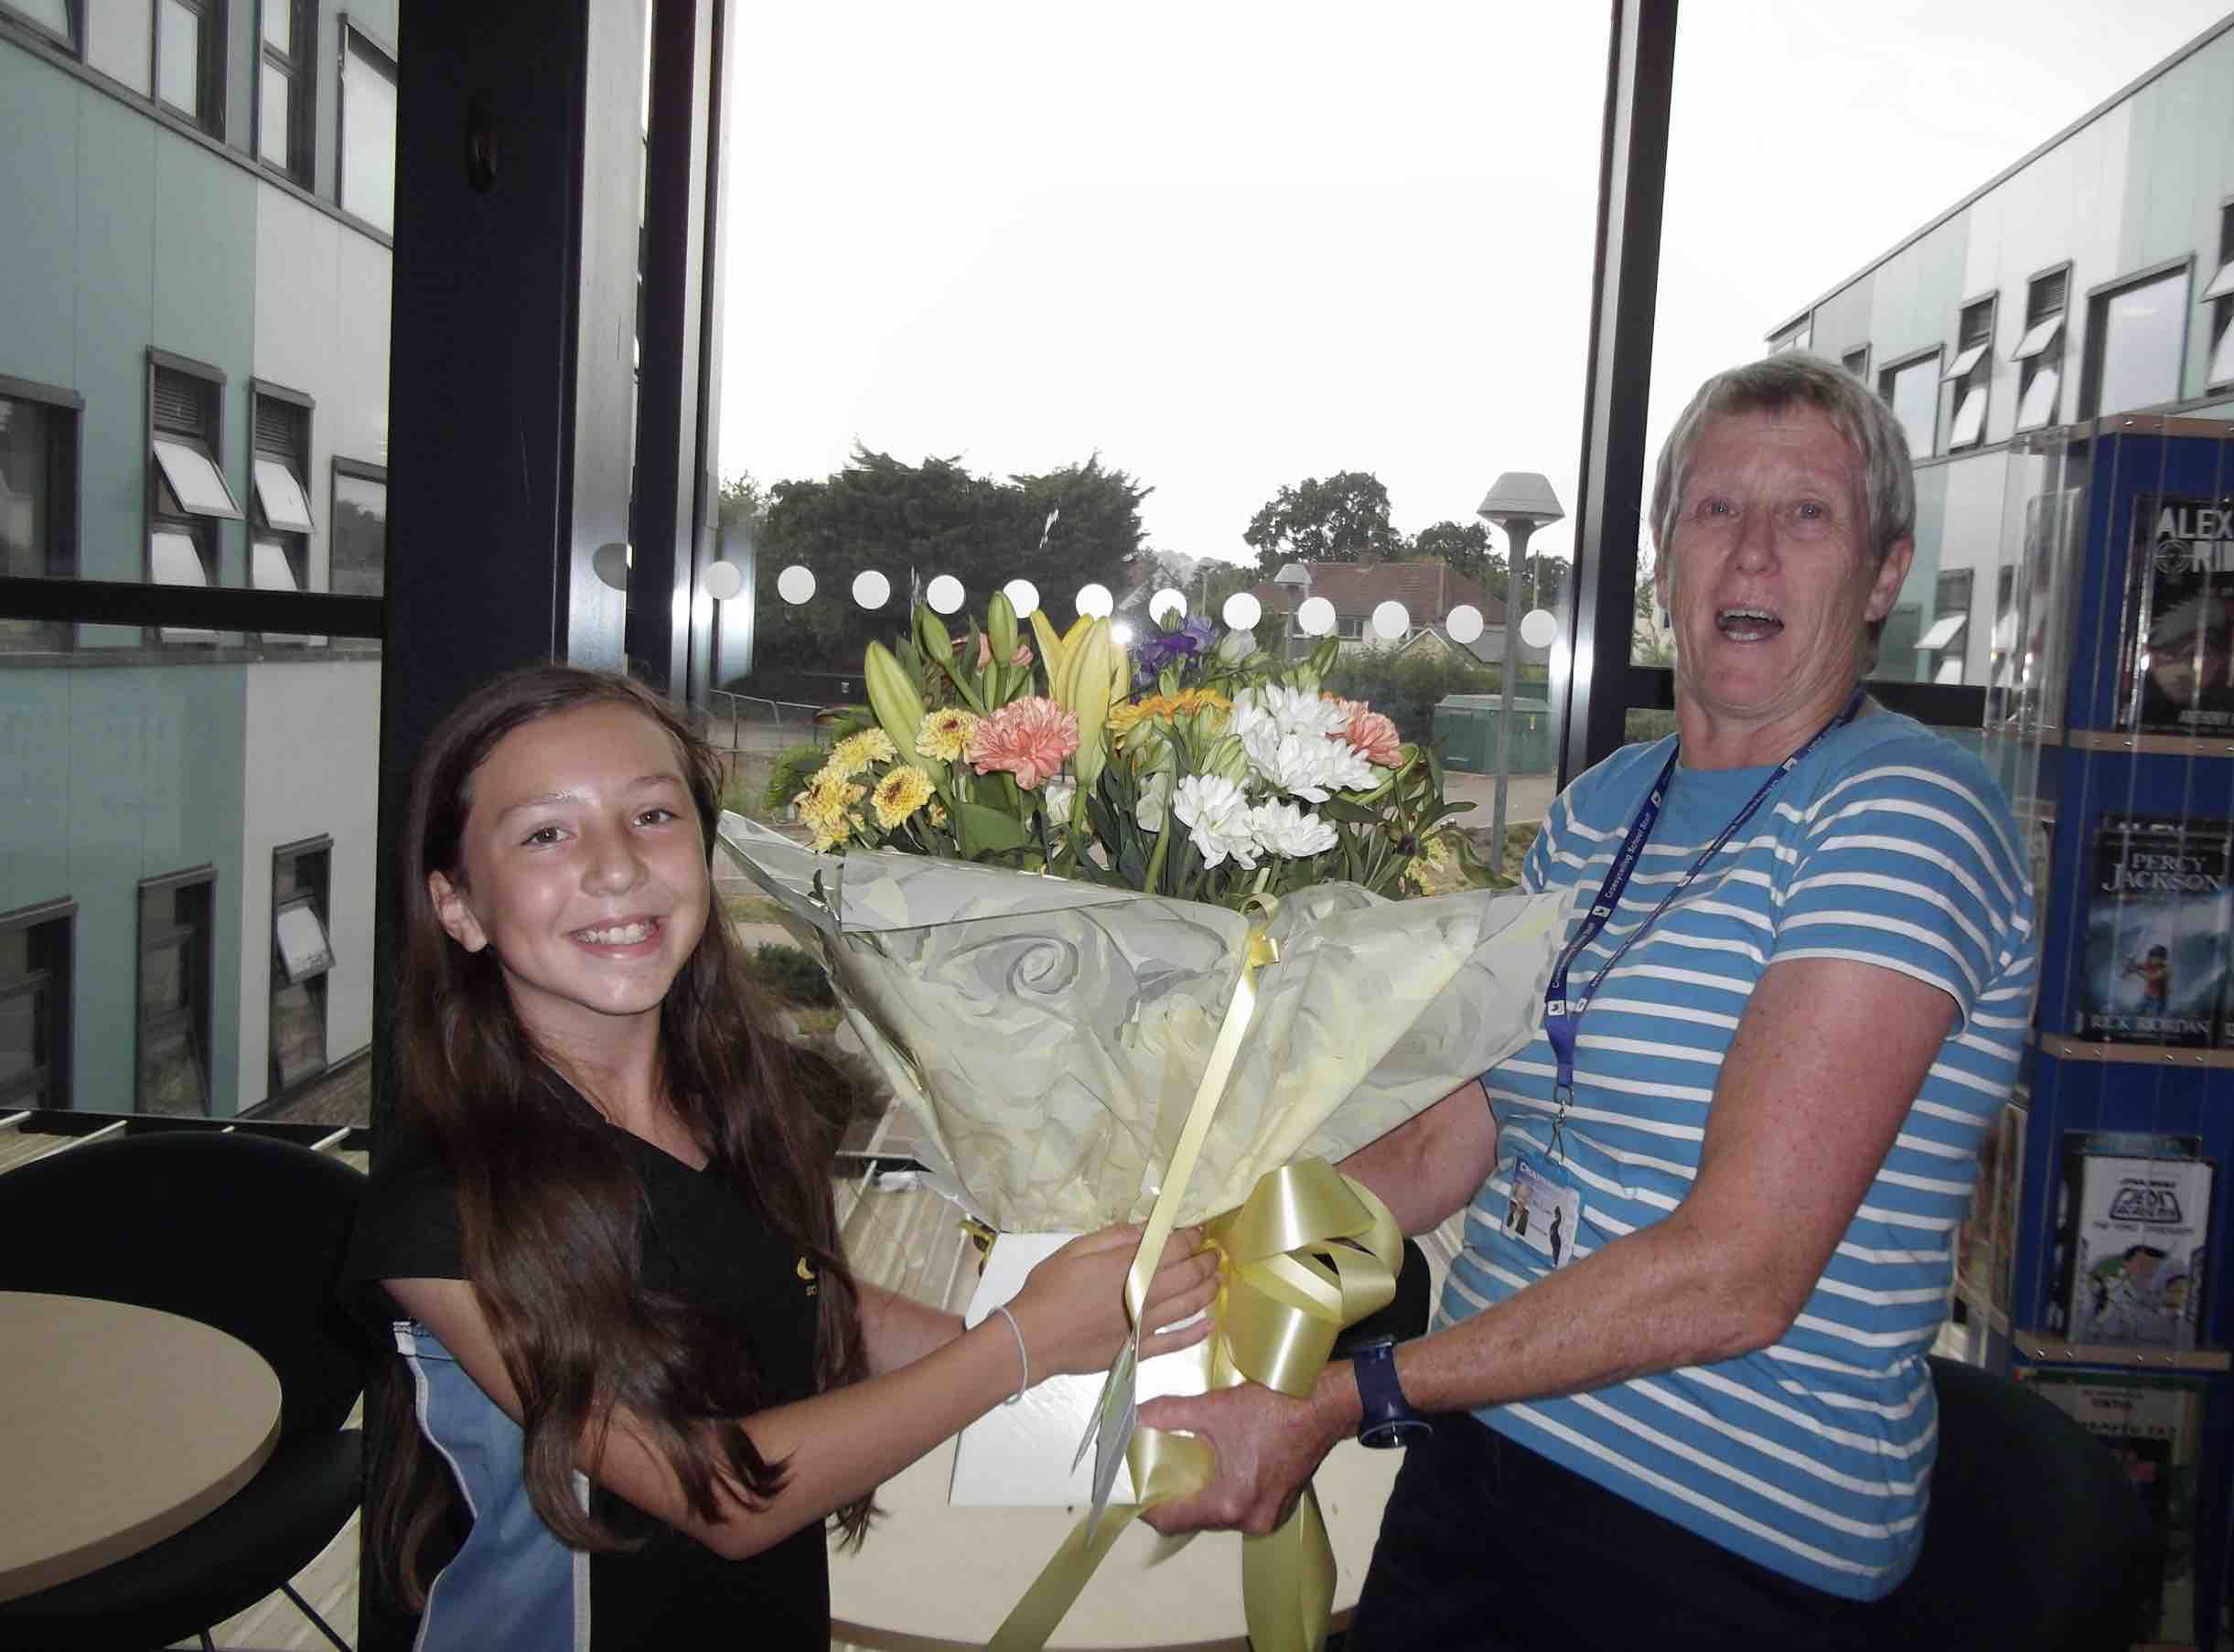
x=1033, y=1619
x=1287, y=1582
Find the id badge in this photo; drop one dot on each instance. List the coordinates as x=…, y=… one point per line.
x=1544, y=1210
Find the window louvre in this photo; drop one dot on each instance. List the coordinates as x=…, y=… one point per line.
x=276, y=426
x=2048, y=296
x=178, y=403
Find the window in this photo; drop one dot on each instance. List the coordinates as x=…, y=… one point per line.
x=57, y=18
x=286, y=30
x=1897, y=647
x=1945, y=641
x=279, y=543
x=190, y=60
x=302, y=954
x=1857, y=363
x=1970, y=374
x=174, y=992
x=187, y=492
x=367, y=129
x=2039, y=354
x=1794, y=338
x=38, y=480
x=360, y=539
x=2134, y=335
x=34, y=977
x=2220, y=296
x=1911, y=389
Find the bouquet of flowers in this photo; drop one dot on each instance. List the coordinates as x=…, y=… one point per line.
x=1050, y=1030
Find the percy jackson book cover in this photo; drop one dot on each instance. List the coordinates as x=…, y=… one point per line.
x=2158, y=909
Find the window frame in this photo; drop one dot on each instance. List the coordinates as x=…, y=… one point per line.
x=294, y=543
x=197, y=972
x=1847, y=362
x=2097, y=315
x=349, y=31
x=2053, y=357
x=1944, y=608
x=319, y=898
x=357, y=470
x=2221, y=322
x=300, y=67
x=1972, y=379
x=1891, y=371
x=208, y=73
x=55, y=972
x=73, y=10
x=65, y=469
x=197, y=526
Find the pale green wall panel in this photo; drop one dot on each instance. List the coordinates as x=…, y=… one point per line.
x=1917, y=292
x=39, y=207
x=1842, y=320
x=116, y=263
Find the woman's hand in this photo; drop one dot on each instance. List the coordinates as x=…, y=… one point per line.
x=1071, y=1309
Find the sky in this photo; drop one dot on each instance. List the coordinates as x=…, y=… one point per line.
x=1229, y=245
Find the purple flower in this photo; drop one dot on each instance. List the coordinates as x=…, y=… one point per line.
x=1190, y=639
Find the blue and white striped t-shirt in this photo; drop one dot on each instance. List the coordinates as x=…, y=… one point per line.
x=1889, y=846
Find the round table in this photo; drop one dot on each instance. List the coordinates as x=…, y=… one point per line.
x=932, y=1576
x=121, y=1426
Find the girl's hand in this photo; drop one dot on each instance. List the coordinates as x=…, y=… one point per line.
x=1071, y=1309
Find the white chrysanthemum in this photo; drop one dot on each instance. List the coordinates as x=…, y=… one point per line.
x=1059, y=794
x=1284, y=830
x=1292, y=711
x=1216, y=813
x=1304, y=765
x=1155, y=797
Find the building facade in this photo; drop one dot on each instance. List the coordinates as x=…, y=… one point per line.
x=193, y=391
x=2096, y=276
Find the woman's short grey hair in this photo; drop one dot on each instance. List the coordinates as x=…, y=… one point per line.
x=1774, y=385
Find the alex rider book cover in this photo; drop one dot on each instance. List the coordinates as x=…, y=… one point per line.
x=2158, y=910
x=2175, y=643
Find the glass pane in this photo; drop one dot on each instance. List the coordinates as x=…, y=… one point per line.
x=2141, y=329
x=178, y=57
x=360, y=535
x=279, y=26
x=1915, y=402
x=302, y=942
x=197, y=484
x=164, y=976
x=1970, y=419
x=1966, y=359
x=2042, y=335
x=175, y=560
x=2040, y=406
x=25, y=432
x=298, y=1034
x=268, y=568
x=2223, y=283
x=50, y=14
x=280, y=496
x=22, y=1019
x=277, y=85
x=368, y=136
x=171, y=1077
x=2222, y=355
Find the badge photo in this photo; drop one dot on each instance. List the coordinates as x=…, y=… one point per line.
x=1542, y=1212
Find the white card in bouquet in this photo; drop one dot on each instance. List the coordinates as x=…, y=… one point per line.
x=1025, y=1455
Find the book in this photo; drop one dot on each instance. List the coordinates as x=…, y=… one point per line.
x=2008, y=1189
x=2155, y=1425
x=1975, y=1237
x=2158, y=910
x=2132, y=1239
x=2176, y=638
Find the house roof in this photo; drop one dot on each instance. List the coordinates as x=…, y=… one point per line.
x=1429, y=591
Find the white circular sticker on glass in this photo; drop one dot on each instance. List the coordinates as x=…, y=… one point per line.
x=1094, y=601
x=1243, y=611
x=1392, y=619
x=1022, y=595
x=1464, y=622
x=872, y=589
x=722, y=581
x=1168, y=601
x=1316, y=617
x=795, y=585
x=944, y=594
x=1538, y=628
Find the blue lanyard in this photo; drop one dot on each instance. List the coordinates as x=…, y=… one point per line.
x=1561, y=1014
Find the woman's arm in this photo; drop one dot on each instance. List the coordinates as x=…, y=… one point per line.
x=842, y=1445
x=900, y=1330
x=1435, y=1163
x=1826, y=1062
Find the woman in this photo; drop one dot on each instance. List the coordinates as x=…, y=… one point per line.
x=1799, y=974
x=630, y=1352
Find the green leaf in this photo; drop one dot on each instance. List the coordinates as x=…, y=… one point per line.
x=991, y=830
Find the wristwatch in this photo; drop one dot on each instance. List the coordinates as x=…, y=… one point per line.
x=1389, y=1418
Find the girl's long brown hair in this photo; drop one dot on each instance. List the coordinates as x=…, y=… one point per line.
x=553, y=1213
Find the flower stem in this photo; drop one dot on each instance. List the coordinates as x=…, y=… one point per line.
x=1156, y=858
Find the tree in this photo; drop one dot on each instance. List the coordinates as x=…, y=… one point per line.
x=1344, y=519
x=1651, y=638
x=913, y=522
x=1463, y=550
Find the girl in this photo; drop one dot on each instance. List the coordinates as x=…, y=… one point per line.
x=601, y=1234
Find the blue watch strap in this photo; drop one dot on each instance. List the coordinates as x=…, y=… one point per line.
x=1387, y=1417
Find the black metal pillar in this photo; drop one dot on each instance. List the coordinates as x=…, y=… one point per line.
x=1632, y=174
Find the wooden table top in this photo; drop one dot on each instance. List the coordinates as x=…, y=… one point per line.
x=121, y=1426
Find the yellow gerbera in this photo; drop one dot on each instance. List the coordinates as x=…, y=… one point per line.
x=900, y=793
x=856, y=752
x=945, y=734
x=1162, y=708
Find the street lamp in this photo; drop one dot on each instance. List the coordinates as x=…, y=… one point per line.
x=1520, y=502
x=1294, y=576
